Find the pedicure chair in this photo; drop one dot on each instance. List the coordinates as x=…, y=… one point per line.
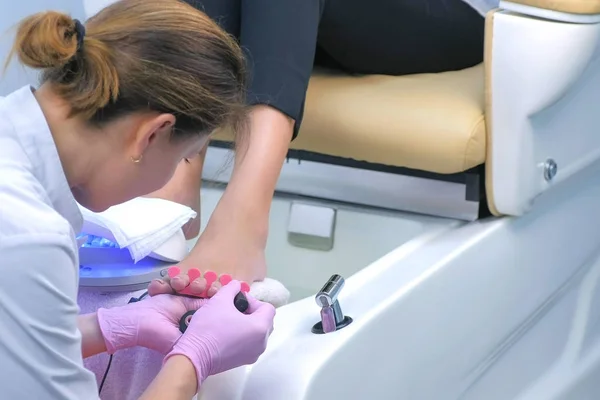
x=499, y=298
x=439, y=233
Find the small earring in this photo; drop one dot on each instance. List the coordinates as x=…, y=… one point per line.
x=136, y=160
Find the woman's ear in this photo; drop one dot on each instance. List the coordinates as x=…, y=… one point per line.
x=153, y=129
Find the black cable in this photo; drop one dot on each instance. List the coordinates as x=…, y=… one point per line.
x=105, y=374
x=132, y=300
x=139, y=298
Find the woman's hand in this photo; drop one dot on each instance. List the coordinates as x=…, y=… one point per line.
x=152, y=322
x=219, y=337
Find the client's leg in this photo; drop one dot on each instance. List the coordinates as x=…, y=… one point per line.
x=398, y=37
x=280, y=39
x=184, y=188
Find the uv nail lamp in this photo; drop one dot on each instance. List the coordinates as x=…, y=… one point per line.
x=103, y=265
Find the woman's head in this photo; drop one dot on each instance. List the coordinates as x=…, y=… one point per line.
x=132, y=93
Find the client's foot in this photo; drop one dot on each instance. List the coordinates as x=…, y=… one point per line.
x=184, y=188
x=227, y=245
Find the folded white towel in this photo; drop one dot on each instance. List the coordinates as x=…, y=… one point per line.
x=141, y=225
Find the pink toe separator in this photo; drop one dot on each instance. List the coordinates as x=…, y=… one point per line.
x=193, y=273
x=245, y=287
x=226, y=278
x=209, y=276
x=173, y=272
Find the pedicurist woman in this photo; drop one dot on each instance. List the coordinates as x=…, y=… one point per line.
x=122, y=101
x=284, y=39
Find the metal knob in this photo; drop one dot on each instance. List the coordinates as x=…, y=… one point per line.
x=330, y=291
x=550, y=169
x=332, y=316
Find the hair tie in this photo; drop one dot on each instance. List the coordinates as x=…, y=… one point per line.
x=80, y=33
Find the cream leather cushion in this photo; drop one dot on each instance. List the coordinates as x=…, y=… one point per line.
x=431, y=122
x=567, y=6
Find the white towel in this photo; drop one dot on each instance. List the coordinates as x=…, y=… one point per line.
x=141, y=225
x=132, y=370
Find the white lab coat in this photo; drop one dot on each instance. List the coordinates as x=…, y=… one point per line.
x=40, y=344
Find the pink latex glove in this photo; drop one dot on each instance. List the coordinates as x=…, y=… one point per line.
x=152, y=322
x=220, y=338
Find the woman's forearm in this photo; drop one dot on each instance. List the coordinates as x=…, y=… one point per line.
x=258, y=163
x=176, y=381
x=92, y=341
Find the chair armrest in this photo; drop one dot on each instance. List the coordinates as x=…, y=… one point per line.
x=542, y=92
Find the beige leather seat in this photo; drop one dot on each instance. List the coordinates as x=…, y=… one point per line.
x=431, y=122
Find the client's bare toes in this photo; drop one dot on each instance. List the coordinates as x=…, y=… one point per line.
x=198, y=286
x=214, y=288
x=180, y=282
x=159, y=286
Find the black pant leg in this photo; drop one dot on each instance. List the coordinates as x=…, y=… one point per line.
x=398, y=37
x=280, y=37
x=225, y=12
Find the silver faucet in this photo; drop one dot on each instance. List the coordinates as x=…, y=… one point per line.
x=331, y=312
